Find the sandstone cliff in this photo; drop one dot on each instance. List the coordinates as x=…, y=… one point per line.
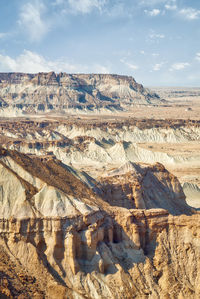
x=50, y=92
x=65, y=240
x=142, y=186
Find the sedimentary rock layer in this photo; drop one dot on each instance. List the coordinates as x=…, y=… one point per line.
x=50, y=92
x=69, y=238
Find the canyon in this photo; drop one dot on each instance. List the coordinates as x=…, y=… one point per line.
x=100, y=192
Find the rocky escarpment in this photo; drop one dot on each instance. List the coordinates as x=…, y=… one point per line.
x=128, y=254
x=98, y=146
x=143, y=186
x=83, y=143
x=65, y=237
x=50, y=92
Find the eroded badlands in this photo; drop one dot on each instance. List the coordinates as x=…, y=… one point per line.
x=97, y=146
x=100, y=191
x=128, y=234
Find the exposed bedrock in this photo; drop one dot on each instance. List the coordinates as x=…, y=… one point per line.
x=75, y=239
x=141, y=186
x=127, y=254
x=50, y=92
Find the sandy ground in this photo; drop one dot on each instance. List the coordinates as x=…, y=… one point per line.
x=174, y=149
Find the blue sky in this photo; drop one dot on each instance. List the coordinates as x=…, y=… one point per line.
x=155, y=41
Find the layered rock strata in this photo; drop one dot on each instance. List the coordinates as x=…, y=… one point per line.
x=143, y=186
x=50, y=92
x=96, y=146
x=64, y=237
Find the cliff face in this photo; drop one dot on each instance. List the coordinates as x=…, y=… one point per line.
x=50, y=92
x=144, y=186
x=127, y=254
x=67, y=241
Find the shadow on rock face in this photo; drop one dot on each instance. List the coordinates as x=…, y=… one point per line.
x=136, y=186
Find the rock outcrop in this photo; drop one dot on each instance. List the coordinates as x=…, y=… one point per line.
x=64, y=237
x=50, y=92
x=141, y=186
x=98, y=145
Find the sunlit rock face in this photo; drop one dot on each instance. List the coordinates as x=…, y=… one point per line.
x=96, y=145
x=129, y=234
x=49, y=92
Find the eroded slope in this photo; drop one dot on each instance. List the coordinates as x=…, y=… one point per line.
x=50, y=92
x=74, y=244
x=96, y=146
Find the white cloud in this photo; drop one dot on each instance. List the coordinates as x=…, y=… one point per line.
x=30, y=62
x=101, y=69
x=157, y=2
x=85, y=6
x=153, y=13
x=129, y=64
x=30, y=20
x=118, y=9
x=151, y=2
x=3, y=34
x=197, y=56
x=132, y=66
x=190, y=13
x=179, y=66
x=7, y=64
x=170, y=6
x=162, y=6
x=154, y=35
x=158, y=66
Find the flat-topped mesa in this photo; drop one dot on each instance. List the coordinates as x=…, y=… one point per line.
x=50, y=91
x=62, y=78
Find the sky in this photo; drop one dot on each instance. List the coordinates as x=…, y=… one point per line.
x=155, y=41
